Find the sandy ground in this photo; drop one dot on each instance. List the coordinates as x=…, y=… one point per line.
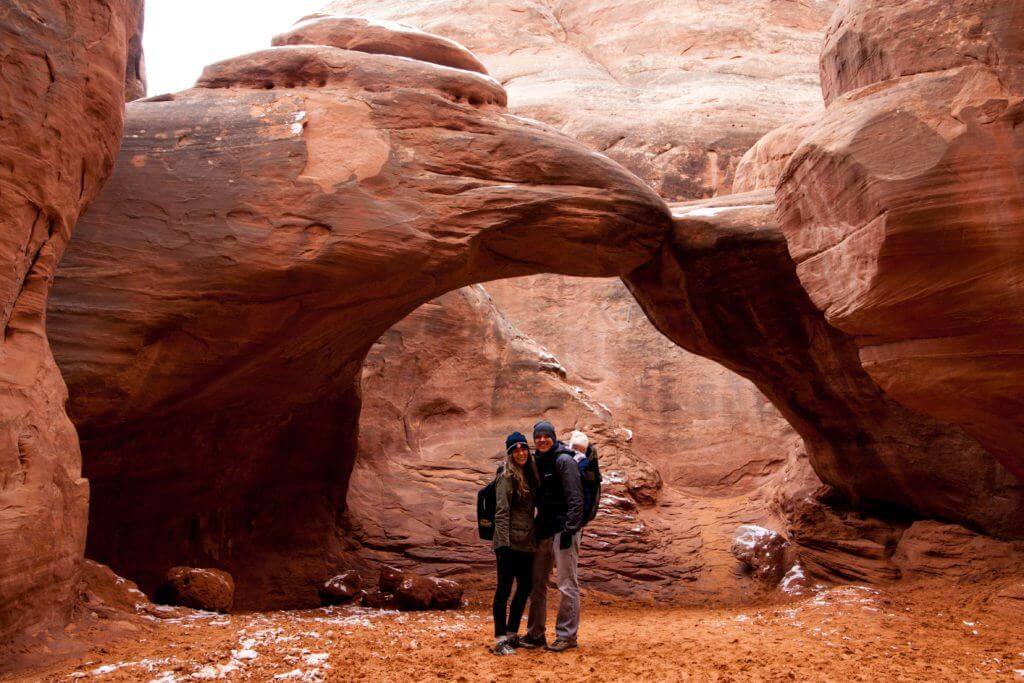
x=854, y=633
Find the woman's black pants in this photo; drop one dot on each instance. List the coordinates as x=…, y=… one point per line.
x=516, y=566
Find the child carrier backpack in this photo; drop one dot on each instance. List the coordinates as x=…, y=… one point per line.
x=590, y=475
x=486, y=504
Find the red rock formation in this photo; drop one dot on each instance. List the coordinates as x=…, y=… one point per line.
x=260, y=233
x=434, y=419
x=341, y=588
x=913, y=237
x=762, y=166
x=674, y=92
x=207, y=589
x=61, y=98
x=387, y=38
x=413, y=592
x=702, y=426
x=237, y=319
x=724, y=286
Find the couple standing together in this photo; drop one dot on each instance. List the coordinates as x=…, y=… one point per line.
x=542, y=502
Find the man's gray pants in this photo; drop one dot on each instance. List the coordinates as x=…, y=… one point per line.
x=566, y=578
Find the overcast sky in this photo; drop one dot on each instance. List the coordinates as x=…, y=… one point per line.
x=183, y=36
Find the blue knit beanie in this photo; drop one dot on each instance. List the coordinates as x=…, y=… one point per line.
x=544, y=427
x=513, y=440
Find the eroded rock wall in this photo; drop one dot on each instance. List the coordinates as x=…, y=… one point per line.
x=432, y=430
x=674, y=91
x=62, y=91
x=912, y=240
x=705, y=428
x=441, y=390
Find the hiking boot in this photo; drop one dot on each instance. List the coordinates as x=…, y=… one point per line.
x=513, y=641
x=504, y=648
x=530, y=643
x=561, y=645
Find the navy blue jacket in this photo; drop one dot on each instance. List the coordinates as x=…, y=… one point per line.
x=560, y=494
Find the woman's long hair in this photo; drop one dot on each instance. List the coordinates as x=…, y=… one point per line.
x=525, y=478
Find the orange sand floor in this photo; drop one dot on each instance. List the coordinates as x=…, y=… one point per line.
x=849, y=633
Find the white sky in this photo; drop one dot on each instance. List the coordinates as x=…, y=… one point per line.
x=183, y=36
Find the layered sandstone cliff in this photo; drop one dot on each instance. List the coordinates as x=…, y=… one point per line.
x=62, y=89
x=912, y=241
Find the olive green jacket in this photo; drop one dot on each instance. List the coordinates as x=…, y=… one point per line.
x=513, y=518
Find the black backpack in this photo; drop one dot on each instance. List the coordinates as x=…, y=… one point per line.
x=590, y=475
x=486, y=504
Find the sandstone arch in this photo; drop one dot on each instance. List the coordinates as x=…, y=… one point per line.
x=253, y=244
x=265, y=227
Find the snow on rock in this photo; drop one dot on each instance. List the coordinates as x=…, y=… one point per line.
x=762, y=550
x=795, y=581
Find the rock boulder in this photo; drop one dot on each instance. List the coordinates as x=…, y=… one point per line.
x=341, y=588
x=208, y=589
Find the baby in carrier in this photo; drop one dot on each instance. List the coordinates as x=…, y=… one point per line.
x=585, y=455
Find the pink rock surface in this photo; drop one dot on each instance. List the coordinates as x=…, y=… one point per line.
x=872, y=41
x=762, y=166
x=671, y=90
x=703, y=427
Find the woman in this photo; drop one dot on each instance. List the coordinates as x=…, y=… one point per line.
x=514, y=540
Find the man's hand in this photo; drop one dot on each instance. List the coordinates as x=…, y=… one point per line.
x=565, y=540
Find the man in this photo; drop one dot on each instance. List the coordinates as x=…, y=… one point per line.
x=559, y=521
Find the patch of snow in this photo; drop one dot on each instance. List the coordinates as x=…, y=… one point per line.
x=296, y=129
x=316, y=658
x=216, y=670
x=614, y=477
x=629, y=433
x=244, y=654
x=749, y=535
x=790, y=582
x=294, y=673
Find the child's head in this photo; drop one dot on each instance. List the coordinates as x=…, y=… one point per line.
x=579, y=441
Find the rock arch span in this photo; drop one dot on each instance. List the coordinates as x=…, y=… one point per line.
x=265, y=227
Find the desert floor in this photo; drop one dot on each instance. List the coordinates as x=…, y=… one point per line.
x=851, y=633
